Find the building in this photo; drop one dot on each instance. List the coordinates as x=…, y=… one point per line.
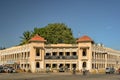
x=38, y=56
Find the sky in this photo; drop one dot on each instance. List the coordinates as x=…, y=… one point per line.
x=99, y=19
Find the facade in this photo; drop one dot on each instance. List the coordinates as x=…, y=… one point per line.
x=38, y=56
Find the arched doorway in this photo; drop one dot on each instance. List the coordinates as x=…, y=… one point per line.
x=37, y=65
x=84, y=65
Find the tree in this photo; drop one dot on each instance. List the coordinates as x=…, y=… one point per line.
x=39, y=31
x=53, y=33
x=2, y=48
x=26, y=37
x=58, y=33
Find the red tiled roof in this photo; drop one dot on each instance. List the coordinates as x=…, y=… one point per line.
x=84, y=38
x=37, y=38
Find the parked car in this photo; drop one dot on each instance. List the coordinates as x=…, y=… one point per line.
x=61, y=70
x=1, y=69
x=11, y=70
x=109, y=70
x=5, y=69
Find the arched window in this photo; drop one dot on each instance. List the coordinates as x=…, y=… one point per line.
x=84, y=64
x=25, y=65
x=84, y=52
x=22, y=65
x=37, y=65
x=37, y=52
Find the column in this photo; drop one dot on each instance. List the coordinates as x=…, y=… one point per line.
x=106, y=60
x=57, y=65
x=64, y=52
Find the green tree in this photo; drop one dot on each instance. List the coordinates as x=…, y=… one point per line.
x=53, y=33
x=2, y=48
x=26, y=37
x=39, y=31
x=58, y=33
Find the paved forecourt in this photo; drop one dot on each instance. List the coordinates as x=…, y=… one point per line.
x=57, y=76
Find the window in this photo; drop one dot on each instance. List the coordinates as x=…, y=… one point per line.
x=74, y=65
x=28, y=54
x=93, y=66
x=47, y=54
x=92, y=54
x=22, y=54
x=28, y=65
x=25, y=54
x=37, y=52
x=61, y=53
x=67, y=53
x=74, y=53
x=61, y=65
x=37, y=65
x=84, y=64
x=25, y=65
x=54, y=65
x=84, y=52
x=48, y=65
x=22, y=65
x=54, y=53
x=67, y=65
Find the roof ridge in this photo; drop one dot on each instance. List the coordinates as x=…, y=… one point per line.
x=37, y=38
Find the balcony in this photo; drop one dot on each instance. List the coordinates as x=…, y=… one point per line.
x=84, y=58
x=37, y=58
x=61, y=57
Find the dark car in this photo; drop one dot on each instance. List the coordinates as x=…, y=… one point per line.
x=1, y=69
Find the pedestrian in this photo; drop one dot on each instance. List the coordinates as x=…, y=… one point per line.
x=47, y=69
x=84, y=71
x=74, y=70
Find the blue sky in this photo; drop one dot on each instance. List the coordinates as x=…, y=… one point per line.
x=99, y=19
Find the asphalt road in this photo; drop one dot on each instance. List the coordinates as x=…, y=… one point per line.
x=57, y=76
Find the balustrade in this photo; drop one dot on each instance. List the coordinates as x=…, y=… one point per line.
x=61, y=57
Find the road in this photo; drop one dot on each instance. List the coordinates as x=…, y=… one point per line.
x=57, y=76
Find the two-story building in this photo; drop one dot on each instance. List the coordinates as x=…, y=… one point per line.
x=37, y=56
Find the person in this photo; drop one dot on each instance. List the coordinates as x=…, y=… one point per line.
x=84, y=71
x=47, y=69
x=74, y=70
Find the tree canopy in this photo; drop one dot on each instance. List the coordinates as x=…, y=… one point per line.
x=53, y=33
x=26, y=37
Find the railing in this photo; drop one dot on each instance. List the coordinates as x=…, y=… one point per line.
x=84, y=57
x=61, y=57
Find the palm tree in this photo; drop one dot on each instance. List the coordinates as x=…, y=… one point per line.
x=26, y=37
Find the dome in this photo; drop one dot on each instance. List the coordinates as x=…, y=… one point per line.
x=85, y=38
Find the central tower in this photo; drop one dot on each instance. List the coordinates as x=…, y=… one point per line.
x=85, y=52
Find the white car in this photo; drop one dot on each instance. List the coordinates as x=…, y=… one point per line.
x=109, y=70
x=11, y=70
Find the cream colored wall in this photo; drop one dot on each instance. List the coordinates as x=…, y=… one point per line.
x=33, y=45
x=33, y=58
x=62, y=48
x=88, y=58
